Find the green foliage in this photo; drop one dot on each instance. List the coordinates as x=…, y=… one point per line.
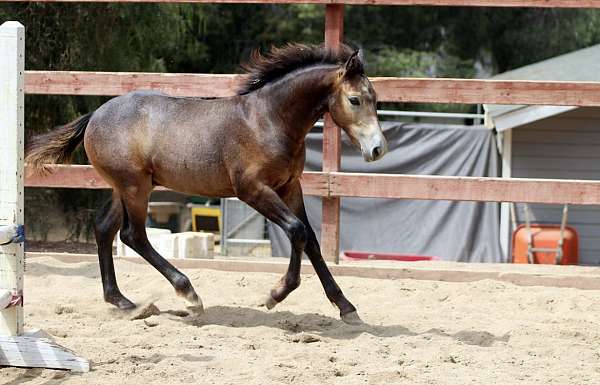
x=514, y=37
x=409, y=63
x=216, y=38
x=101, y=37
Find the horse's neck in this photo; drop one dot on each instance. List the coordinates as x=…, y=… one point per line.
x=301, y=98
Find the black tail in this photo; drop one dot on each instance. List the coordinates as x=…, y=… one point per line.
x=56, y=146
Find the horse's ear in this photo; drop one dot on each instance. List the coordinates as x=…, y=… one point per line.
x=355, y=64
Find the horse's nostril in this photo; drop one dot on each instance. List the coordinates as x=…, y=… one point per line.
x=376, y=152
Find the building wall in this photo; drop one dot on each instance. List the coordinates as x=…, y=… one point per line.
x=566, y=146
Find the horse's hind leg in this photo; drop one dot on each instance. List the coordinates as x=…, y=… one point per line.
x=133, y=234
x=106, y=225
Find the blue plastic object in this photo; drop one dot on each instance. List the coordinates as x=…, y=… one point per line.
x=15, y=232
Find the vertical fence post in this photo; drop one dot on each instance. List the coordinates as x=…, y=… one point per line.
x=12, y=48
x=330, y=227
x=505, y=207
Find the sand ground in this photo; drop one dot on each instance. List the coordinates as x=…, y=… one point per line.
x=416, y=332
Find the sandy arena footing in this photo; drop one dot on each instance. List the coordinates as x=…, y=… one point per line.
x=417, y=331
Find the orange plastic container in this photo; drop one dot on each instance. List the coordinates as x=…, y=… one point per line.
x=545, y=236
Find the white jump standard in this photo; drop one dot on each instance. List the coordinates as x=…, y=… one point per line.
x=17, y=348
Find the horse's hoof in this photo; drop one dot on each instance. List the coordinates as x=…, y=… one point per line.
x=190, y=297
x=194, y=303
x=120, y=302
x=196, y=310
x=351, y=318
x=269, y=302
x=126, y=304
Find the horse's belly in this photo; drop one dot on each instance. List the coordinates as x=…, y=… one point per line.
x=207, y=179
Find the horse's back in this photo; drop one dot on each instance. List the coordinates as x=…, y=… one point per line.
x=179, y=141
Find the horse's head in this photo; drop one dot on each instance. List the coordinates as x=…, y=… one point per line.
x=353, y=107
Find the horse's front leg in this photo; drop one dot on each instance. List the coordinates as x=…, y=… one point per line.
x=274, y=206
x=348, y=313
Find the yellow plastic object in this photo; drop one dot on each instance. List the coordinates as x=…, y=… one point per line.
x=201, y=219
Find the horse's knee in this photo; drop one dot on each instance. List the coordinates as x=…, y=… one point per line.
x=298, y=234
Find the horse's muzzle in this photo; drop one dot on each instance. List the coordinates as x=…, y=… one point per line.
x=376, y=150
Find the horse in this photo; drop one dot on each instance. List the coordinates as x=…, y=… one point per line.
x=250, y=146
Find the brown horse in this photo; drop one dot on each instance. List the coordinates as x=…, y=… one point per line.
x=249, y=146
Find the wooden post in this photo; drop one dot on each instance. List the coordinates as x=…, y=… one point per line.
x=330, y=226
x=12, y=46
x=505, y=222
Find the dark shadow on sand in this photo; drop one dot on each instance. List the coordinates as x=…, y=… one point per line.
x=325, y=326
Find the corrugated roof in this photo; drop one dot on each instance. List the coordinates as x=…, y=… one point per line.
x=580, y=65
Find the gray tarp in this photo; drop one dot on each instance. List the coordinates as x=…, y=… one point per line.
x=456, y=231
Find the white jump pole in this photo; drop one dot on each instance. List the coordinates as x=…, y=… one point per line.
x=17, y=348
x=12, y=260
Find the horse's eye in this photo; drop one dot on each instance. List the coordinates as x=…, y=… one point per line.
x=354, y=100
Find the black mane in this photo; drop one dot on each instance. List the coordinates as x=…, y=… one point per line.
x=266, y=68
